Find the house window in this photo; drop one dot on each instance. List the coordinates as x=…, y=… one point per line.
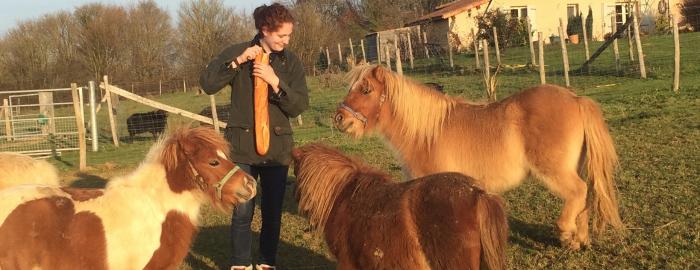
x=518, y=12
x=571, y=10
x=621, y=14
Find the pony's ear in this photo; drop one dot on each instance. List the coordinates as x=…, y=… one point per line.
x=187, y=145
x=378, y=73
x=170, y=155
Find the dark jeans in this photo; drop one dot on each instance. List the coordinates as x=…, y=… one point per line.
x=273, y=181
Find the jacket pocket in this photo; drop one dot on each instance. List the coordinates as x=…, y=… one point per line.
x=279, y=131
x=241, y=139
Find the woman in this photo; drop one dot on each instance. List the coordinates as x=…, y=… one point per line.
x=288, y=97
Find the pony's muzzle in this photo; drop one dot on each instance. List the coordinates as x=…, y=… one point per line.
x=249, y=188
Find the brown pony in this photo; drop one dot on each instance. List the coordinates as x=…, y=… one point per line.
x=546, y=131
x=145, y=220
x=440, y=221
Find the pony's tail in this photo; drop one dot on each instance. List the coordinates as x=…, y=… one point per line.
x=493, y=229
x=601, y=162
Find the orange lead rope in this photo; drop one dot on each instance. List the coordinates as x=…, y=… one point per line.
x=262, y=117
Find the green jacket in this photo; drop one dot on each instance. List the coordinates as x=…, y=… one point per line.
x=291, y=101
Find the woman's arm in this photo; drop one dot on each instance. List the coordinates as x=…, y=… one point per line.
x=293, y=97
x=219, y=72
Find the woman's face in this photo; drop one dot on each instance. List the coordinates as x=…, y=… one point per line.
x=278, y=39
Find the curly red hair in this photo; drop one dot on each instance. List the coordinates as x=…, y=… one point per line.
x=271, y=17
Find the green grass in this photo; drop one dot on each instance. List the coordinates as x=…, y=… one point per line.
x=657, y=135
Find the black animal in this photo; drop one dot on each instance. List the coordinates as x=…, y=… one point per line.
x=153, y=122
x=435, y=86
x=222, y=112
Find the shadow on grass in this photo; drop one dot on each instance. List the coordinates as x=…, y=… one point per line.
x=89, y=181
x=531, y=236
x=214, y=243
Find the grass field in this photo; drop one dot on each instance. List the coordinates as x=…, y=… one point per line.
x=657, y=135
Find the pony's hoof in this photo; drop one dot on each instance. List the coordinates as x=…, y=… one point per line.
x=568, y=241
x=585, y=241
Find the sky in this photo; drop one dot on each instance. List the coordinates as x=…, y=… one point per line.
x=14, y=11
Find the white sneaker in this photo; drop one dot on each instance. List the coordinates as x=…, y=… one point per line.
x=238, y=267
x=264, y=267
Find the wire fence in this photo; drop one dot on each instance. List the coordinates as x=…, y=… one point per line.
x=38, y=122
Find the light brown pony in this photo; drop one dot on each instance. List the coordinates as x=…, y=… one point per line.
x=144, y=220
x=546, y=131
x=18, y=169
x=369, y=221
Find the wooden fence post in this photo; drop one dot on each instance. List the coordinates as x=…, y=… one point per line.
x=388, y=57
x=110, y=112
x=352, y=53
x=8, y=125
x=340, y=55
x=362, y=45
x=476, y=50
x=397, y=50
x=495, y=43
x=629, y=41
x=585, y=37
x=425, y=45
x=564, y=54
x=410, y=49
x=160, y=87
x=487, y=65
x=379, y=50
x=638, y=42
x=540, y=44
x=529, y=40
x=81, y=126
x=449, y=48
x=676, y=57
x=616, y=50
x=214, y=114
x=328, y=59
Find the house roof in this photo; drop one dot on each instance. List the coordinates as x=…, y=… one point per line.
x=448, y=10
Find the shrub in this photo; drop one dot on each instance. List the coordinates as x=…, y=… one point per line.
x=574, y=27
x=512, y=32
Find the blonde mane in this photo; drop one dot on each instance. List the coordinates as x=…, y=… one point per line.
x=420, y=111
x=322, y=174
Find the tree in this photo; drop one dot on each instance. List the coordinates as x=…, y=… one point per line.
x=205, y=28
x=589, y=23
x=150, y=44
x=314, y=18
x=101, y=39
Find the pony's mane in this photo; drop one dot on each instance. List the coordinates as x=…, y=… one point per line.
x=322, y=174
x=183, y=139
x=408, y=100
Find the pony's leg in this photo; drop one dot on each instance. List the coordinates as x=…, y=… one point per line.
x=572, y=190
x=582, y=230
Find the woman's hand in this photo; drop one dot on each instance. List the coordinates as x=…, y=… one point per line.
x=265, y=72
x=249, y=54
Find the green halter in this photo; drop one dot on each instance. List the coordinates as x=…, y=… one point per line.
x=220, y=185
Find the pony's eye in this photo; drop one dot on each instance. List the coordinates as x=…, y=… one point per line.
x=366, y=91
x=214, y=163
